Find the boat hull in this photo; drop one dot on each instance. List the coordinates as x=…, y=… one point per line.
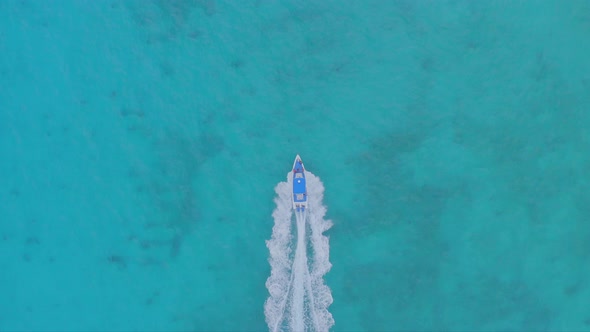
x=299, y=185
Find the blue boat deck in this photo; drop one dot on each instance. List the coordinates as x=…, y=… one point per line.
x=299, y=185
x=299, y=188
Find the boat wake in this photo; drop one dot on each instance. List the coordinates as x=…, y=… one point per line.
x=299, y=299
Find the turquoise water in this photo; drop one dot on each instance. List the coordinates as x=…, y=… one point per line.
x=141, y=141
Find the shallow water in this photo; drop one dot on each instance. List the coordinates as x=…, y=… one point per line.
x=141, y=142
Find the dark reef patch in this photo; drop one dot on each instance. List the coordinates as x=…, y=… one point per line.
x=117, y=260
x=166, y=20
x=490, y=300
x=237, y=63
x=167, y=70
x=128, y=112
x=31, y=240
x=152, y=298
x=389, y=183
x=168, y=186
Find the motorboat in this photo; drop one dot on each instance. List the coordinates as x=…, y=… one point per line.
x=299, y=185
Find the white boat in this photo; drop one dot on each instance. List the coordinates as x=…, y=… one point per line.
x=299, y=185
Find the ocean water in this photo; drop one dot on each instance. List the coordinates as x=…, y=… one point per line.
x=141, y=143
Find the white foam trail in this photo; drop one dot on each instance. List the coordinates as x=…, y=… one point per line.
x=298, y=271
x=299, y=299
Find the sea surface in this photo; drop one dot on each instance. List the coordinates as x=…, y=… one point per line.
x=141, y=143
